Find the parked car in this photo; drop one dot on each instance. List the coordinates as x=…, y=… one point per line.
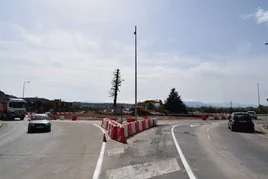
x=241, y=121
x=39, y=122
x=253, y=114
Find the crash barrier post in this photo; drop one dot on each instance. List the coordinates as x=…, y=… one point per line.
x=130, y=120
x=137, y=127
x=129, y=129
x=74, y=117
x=133, y=128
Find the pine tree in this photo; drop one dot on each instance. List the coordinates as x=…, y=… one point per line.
x=174, y=104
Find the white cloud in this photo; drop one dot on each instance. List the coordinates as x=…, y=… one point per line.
x=260, y=16
x=74, y=66
x=69, y=50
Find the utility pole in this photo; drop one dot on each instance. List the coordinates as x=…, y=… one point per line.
x=135, y=33
x=23, y=88
x=258, y=88
x=231, y=106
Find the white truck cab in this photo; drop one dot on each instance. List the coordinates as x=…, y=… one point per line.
x=13, y=108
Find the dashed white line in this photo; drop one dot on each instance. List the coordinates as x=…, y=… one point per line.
x=98, y=168
x=195, y=125
x=208, y=134
x=183, y=159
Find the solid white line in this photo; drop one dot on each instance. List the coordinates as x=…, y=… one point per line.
x=263, y=136
x=97, y=171
x=183, y=159
x=99, y=127
x=98, y=168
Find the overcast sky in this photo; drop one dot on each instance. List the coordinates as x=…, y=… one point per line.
x=209, y=50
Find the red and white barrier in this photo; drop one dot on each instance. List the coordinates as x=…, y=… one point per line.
x=121, y=132
x=133, y=128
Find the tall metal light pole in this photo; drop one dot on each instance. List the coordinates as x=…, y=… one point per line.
x=135, y=33
x=23, y=89
x=258, y=88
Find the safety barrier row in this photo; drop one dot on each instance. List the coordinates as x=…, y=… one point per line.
x=58, y=115
x=121, y=132
x=220, y=116
x=213, y=117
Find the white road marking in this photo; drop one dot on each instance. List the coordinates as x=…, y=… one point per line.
x=9, y=132
x=263, y=136
x=99, y=127
x=183, y=159
x=195, y=125
x=144, y=170
x=116, y=151
x=208, y=134
x=98, y=168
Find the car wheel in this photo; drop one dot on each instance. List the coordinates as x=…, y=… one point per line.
x=228, y=126
x=29, y=130
x=49, y=129
x=232, y=128
x=252, y=130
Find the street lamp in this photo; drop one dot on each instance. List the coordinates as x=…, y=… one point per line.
x=23, y=89
x=258, y=90
x=136, y=111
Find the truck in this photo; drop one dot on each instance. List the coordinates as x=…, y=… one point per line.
x=13, y=108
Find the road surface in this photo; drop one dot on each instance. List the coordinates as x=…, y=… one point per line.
x=70, y=151
x=208, y=147
x=204, y=150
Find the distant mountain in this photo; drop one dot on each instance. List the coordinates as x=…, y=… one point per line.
x=197, y=104
x=5, y=97
x=99, y=105
x=35, y=99
x=228, y=104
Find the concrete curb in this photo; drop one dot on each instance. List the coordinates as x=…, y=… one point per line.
x=261, y=128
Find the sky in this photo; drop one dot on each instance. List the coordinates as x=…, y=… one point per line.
x=210, y=50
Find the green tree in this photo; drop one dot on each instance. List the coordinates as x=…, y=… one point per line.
x=174, y=104
x=116, y=83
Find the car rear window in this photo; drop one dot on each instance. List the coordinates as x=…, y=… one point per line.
x=40, y=118
x=246, y=117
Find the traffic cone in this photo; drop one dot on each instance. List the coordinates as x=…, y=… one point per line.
x=104, y=138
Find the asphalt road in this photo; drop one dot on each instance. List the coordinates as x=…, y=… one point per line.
x=210, y=149
x=70, y=151
x=206, y=148
x=213, y=151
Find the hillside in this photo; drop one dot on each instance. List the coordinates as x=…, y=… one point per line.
x=5, y=97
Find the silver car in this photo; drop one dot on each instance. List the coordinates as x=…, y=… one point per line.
x=253, y=114
x=39, y=122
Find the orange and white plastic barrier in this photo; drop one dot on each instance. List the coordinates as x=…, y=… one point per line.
x=121, y=132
